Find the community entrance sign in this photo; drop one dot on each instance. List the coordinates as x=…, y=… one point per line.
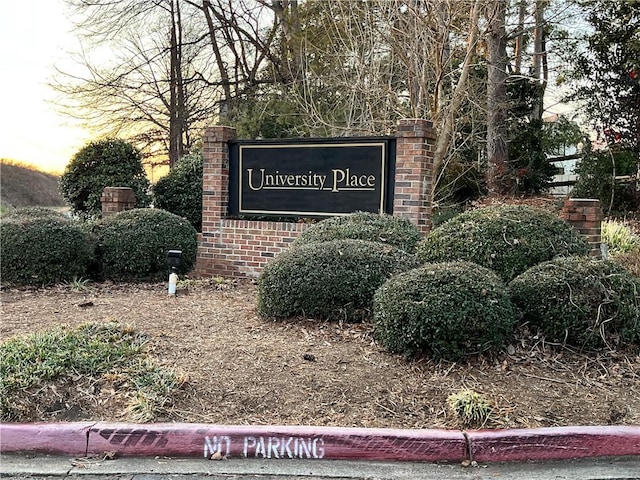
x=311, y=177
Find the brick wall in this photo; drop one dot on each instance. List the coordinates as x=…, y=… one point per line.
x=241, y=248
x=585, y=215
x=117, y=199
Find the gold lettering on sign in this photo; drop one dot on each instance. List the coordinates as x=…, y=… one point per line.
x=345, y=180
x=262, y=180
x=342, y=179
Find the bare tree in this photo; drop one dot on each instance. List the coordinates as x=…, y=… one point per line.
x=367, y=64
x=150, y=89
x=241, y=36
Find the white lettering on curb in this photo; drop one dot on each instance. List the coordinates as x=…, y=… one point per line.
x=215, y=445
x=268, y=447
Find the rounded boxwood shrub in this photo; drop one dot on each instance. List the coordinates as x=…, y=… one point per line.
x=42, y=250
x=396, y=231
x=180, y=191
x=332, y=280
x=133, y=245
x=445, y=310
x=508, y=239
x=581, y=302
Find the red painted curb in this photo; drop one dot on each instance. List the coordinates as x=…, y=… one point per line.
x=189, y=440
x=554, y=443
x=203, y=440
x=53, y=438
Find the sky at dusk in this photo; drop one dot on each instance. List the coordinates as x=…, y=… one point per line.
x=35, y=35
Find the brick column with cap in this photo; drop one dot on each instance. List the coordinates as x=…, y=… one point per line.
x=414, y=171
x=585, y=215
x=215, y=196
x=117, y=199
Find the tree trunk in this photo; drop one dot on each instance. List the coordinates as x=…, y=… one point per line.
x=519, y=47
x=497, y=99
x=539, y=66
x=175, y=133
x=181, y=106
x=222, y=69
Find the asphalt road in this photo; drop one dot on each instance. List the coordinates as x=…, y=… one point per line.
x=41, y=467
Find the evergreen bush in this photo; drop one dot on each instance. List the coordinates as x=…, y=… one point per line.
x=581, y=302
x=332, y=280
x=508, y=239
x=396, y=231
x=133, y=245
x=105, y=163
x=180, y=191
x=445, y=310
x=42, y=250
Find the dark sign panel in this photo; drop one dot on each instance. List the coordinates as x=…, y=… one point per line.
x=310, y=178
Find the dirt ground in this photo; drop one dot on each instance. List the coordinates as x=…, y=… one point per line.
x=243, y=369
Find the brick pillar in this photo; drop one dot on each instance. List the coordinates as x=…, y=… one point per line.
x=117, y=199
x=215, y=174
x=585, y=215
x=215, y=191
x=414, y=171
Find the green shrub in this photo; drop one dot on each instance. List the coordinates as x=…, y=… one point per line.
x=42, y=250
x=180, y=191
x=445, y=310
x=105, y=163
x=133, y=244
x=441, y=215
x=396, y=231
x=34, y=212
x=332, y=280
x=507, y=239
x=581, y=302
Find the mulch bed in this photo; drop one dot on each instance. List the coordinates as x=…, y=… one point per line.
x=243, y=369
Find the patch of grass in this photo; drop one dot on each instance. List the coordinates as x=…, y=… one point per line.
x=79, y=284
x=219, y=283
x=153, y=388
x=470, y=408
x=619, y=237
x=99, y=351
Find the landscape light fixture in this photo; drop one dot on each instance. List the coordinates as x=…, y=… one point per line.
x=174, y=259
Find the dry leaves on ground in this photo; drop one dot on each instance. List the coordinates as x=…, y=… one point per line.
x=243, y=369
